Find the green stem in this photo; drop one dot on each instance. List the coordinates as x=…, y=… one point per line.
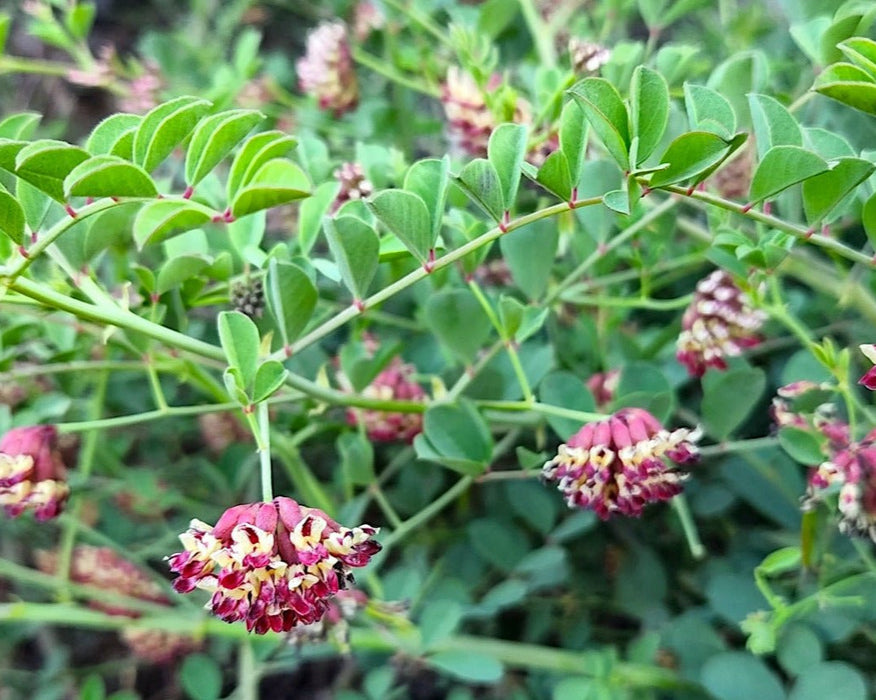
x=391, y=515
x=420, y=273
x=510, y=346
x=688, y=526
x=263, y=438
x=541, y=35
x=85, y=367
x=419, y=18
x=389, y=72
x=738, y=446
x=427, y=513
x=469, y=373
x=543, y=408
x=147, y=416
x=803, y=234
x=14, y=64
x=615, y=242
x=631, y=303
x=247, y=671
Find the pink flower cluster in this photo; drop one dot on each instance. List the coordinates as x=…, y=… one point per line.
x=719, y=323
x=102, y=567
x=326, y=70
x=32, y=473
x=273, y=565
x=354, y=184
x=393, y=383
x=618, y=465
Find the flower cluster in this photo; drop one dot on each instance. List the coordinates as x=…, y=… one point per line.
x=617, y=465
x=354, y=184
x=102, y=567
x=273, y=565
x=603, y=385
x=32, y=472
x=326, y=70
x=393, y=383
x=719, y=323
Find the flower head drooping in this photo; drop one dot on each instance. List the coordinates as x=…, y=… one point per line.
x=869, y=378
x=603, y=385
x=32, y=473
x=618, y=465
x=326, y=70
x=102, y=567
x=853, y=470
x=273, y=565
x=354, y=184
x=393, y=383
x=719, y=323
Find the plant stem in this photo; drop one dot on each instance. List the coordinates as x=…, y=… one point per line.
x=247, y=671
x=419, y=18
x=691, y=534
x=738, y=446
x=264, y=442
x=391, y=515
x=427, y=513
x=543, y=408
x=469, y=373
x=389, y=72
x=774, y=222
x=416, y=275
x=630, y=303
x=542, y=37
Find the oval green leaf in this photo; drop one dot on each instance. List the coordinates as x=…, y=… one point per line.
x=255, y=152
x=291, y=297
x=607, y=114
x=164, y=128
x=239, y=337
x=46, y=163
x=158, y=219
x=506, y=150
x=214, y=138
x=824, y=193
x=428, y=178
x=405, y=214
x=356, y=249
x=108, y=176
x=278, y=181
x=649, y=108
x=781, y=168
x=690, y=155
x=12, y=220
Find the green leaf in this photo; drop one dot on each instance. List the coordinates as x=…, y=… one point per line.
x=158, y=219
x=868, y=218
x=240, y=341
x=458, y=435
x=78, y=19
x=607, y=114
x=201, y=677
x=773, y=124
x=312, y=211
x=781, y=168
x=480, y=182
x=574, y=129
x=848, y=84
x=510, y=315
x=649, y=109
x=164, y=128
x=437, y=622
x=20, y=125
x=565, y=390
x=831, y=679
x=405, y=214
x=355, y=247
x=357, y=458
x=92, y=688
x=12, y=221
x=823, y=193
x=468, y=666
x=735, y=675
x=801, y=445
x=798, y=649
x=108, y=176
x=456, y=317
x=724, y=406
x=428, y=178
x=177, y=270
x=214, y=138
x=556, y=175
x=5, y=24
x=291, y=296
x=506, y=151
x=278, y=181
x=530, y=253
x=861, y=50
x=268, y=379
x=9, y=149
x=46, y=163
x=780, y=562
x=106, y=136
x=618, y=201
x=690, y=155
x=255, y=152
x=708, y=110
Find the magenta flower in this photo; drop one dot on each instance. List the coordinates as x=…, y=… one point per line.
x=393, y=383
x=32, y=473
x=273, y=565
x=102, y=567
x=326, y=70
x=618, y=465
x=852, y=469
x=719, y=323
x=869, y=378
x=603, y=385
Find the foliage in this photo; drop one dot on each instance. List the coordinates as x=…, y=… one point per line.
x=394, y=297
